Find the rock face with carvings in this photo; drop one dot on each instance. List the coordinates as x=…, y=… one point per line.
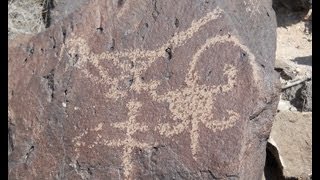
x=145, y=90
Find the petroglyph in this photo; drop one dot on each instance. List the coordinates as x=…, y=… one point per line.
x=78, y=143
x=190, y=105
x=193, y=104
x=99, y=127
x=141, y=60
x=131, y=126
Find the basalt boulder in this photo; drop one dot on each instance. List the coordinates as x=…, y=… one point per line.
x=296, y=5
x=123, y=89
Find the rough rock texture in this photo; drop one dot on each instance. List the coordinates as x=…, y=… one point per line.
x=24, y=17
x=306, y=96
x=291, y=138
x=62, y=8
x=29, y=17
x=294, y=65
x=145, y=90
x=296, y=5
x=300, y=96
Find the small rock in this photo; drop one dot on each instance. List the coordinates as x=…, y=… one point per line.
x=290, y=93
x=298, y=70
x=286, y=71
x=300, y=96
x=285, y=106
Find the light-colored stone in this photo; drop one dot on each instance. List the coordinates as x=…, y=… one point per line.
x=285, y=106
x=292, y=136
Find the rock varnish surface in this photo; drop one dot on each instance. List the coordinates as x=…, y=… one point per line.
x=145, y=90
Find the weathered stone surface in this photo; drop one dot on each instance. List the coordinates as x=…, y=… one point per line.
x=145, y=90
x=291, y=137
x=306, y=96
x=300, y=96
x=29, y=17
x=62, y=8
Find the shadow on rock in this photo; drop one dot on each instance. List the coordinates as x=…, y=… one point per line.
x=272, y=169
x=287, y=15
x=307, y=60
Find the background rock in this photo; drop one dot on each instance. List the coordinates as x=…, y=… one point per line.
x=294, y=65
x=294, y=56
x=150, y=89
x=291, y=135
x=30, y=17
x=300, y=96
x=296, y=5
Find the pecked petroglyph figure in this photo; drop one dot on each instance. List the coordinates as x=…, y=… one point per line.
x=189, y=106
x=130, y=127
x=140, y=59
x=194, y=103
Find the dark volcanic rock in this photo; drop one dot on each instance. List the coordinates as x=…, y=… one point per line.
x=145, y=90
x=300, y=96
x=296, y=5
